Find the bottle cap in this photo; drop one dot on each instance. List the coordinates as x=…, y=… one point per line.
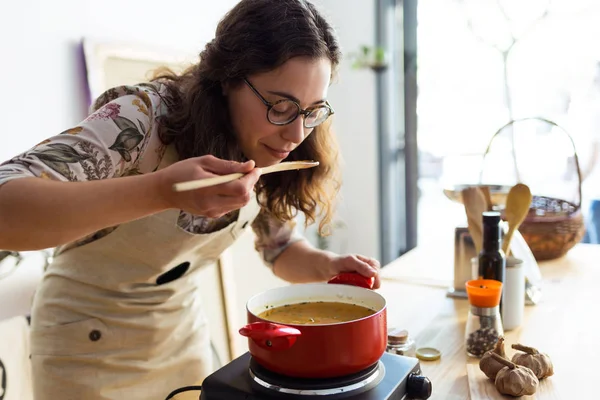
x=491, y=217
x=397, y=336
x=485, y=293
x=428, y=354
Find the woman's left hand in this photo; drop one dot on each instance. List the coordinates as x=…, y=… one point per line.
x=365, y=266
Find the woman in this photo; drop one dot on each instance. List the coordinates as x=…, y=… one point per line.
x=117, y=315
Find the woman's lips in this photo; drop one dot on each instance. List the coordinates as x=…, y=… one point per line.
x=277, y=153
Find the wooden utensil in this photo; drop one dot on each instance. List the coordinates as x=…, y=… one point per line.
x=202, y=183
x=487, y=195
x=518, y=203
x=475, y=206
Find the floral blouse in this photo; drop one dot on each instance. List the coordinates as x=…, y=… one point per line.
x=120, y=138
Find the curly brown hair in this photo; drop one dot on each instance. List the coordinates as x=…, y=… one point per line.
x=257, y=36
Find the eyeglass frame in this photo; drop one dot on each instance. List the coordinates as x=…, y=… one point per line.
x=301, y=111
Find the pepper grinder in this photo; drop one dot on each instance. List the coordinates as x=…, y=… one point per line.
x=484, y=324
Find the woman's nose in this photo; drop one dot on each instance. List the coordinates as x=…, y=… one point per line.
x=295, y=132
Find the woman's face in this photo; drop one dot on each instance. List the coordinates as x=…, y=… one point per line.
x=301, y=79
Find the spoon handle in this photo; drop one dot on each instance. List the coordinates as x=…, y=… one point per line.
x=507, y=239
x=202, y=183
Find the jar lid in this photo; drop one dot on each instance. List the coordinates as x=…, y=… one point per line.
x=397, y=336
x=484, y=293
x=513, y=262
x=428, y=354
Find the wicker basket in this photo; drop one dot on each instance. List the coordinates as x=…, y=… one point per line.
x=553, y=226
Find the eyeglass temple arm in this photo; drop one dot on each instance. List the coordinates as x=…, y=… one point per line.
x=265, y=102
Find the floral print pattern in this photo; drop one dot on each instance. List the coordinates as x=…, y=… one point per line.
x=111, y=110
x=119, y=138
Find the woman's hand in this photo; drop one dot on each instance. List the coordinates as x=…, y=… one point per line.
x=365, y=266
x=214, y=201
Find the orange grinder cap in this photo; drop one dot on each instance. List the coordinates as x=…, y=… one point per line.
x=484, y=293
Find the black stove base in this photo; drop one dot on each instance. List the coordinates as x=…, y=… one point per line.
x=400, y=375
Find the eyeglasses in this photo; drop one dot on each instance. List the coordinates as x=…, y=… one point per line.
x=285, y=111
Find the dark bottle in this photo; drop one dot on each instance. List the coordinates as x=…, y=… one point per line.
x=492, y=261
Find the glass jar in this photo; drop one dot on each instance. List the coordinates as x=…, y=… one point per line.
x=400, y=343
x=484, y=324
x=484, y=327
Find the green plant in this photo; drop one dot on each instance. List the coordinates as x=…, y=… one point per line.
x=373, y=57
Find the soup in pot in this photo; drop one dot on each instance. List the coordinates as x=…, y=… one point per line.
x=317, y=312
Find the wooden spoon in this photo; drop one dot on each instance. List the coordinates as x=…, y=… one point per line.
x=518, y=203
x=202, y=183
x=488, y=197
x=475, y=206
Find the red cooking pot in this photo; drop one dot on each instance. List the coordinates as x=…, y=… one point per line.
x=318, y=350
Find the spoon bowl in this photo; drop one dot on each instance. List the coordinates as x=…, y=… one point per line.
x=518, y=203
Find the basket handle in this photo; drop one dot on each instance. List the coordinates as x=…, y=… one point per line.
x=512, y=122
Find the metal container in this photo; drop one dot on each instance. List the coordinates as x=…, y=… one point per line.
x=464, y=251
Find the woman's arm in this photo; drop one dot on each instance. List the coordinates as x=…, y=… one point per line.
x=37, y=213
x=63, y=188
x=90, y=177
x=295, y=260
x=300, y=263
x=87, y=178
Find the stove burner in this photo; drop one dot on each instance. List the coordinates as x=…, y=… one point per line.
x=355, y=383
x=395, y=377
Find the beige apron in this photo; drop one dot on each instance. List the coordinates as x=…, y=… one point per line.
x=103, y=328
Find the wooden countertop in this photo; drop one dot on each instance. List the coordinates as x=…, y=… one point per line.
x=564, y=324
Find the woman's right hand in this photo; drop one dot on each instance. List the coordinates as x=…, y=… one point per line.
x=213, y=201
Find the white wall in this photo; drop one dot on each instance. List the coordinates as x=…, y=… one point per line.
x=43, y=83
x=353, y=98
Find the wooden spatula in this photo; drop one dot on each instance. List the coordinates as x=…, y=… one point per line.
x=488, y=197
x=475, y=206
x=202, y=183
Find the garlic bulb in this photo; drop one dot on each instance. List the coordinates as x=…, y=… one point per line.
x=539, y=363
x=515, y=380
x=488, y=365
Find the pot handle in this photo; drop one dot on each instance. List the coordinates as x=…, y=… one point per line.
x=354, y=279
x=271, y=336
